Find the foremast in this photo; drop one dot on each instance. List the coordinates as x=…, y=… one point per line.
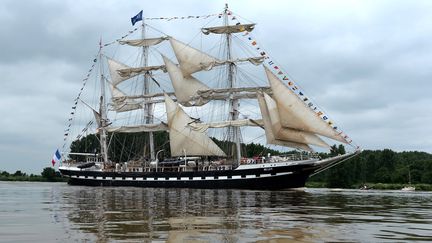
x=103, y=114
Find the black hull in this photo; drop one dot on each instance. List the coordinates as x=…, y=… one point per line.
x=270, y=176
x=271, y=183
x=262, y=179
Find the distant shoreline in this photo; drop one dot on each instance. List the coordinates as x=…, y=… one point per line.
x=377, y=186
x=370, y=186
x=32, y=179
x=48, y=175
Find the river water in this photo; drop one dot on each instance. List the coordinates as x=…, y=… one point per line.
x=56, y=212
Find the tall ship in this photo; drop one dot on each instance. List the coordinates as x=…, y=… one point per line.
x=156, y=110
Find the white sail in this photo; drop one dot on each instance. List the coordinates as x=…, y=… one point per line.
x=139, y=128
x=270, y=136
x=120, y=103
x=191, y=60
x=184, y=86
x=289, y=134
x=98, y=118
x=234, y=123
x=116, y=93
x=184, y=140
x=143, y=42
x=294, y=113
x=228, y=29
x=113, y=66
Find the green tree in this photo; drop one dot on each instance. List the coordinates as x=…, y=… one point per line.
x=339, y=175
x=5, y=173
x=19, y=173
x=49, y=174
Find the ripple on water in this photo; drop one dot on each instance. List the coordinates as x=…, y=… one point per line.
x=57, y=212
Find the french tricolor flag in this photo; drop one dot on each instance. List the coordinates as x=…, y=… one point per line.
x=56, y=157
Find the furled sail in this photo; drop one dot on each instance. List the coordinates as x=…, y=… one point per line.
x=289, y=134
x=202, y=96
x=228, y=29
x=184, y=86
x=139, y=128
x=191, y=60
x=234, y=123
x=184, y=140
x=294, y=113
x=210, y=65
x=132, y=72
x=233, y=90
x=120, y=72
x=124, y=106
x=143, y=42
x=120, y=103
x=270, y=136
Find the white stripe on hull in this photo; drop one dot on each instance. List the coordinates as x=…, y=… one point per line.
x=207, y=178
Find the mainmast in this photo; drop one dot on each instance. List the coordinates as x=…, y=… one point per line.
x=103, y=113
x=148, y=107
x=233, y=132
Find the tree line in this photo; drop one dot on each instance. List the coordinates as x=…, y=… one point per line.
x=48, y=174
x=377, y=166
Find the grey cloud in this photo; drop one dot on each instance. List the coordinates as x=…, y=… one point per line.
x=367, y=63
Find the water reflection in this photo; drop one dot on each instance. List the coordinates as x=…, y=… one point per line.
x=194, y=215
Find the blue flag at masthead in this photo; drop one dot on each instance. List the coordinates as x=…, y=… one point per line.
x=137, y=18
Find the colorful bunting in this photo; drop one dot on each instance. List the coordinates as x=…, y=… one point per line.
x=84, y=82
x=294, y=88
x=186, y=17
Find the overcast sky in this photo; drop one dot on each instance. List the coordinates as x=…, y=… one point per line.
x=368, y=63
